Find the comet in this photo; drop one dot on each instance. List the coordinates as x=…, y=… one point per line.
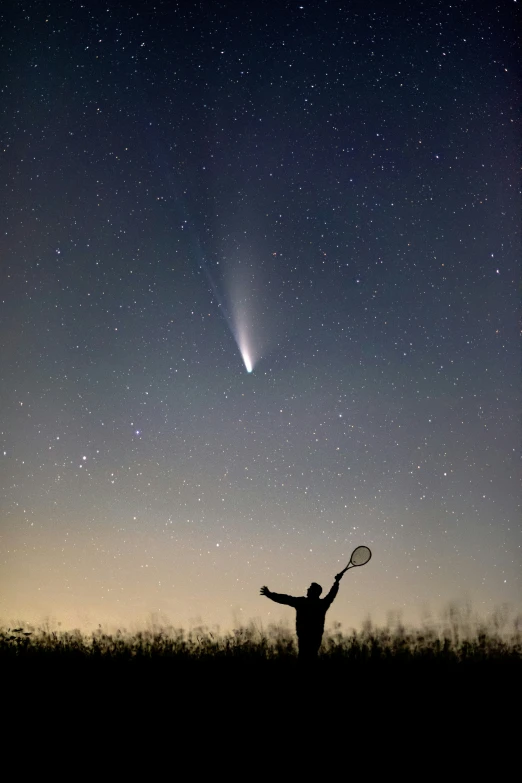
x=241, y=327
x=238, y=294
x=245, y=355
x=244, y=321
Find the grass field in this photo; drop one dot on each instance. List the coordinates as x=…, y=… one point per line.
x=455, y=643
x=372, y=685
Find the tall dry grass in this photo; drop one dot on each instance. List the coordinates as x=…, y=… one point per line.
x=457, y=638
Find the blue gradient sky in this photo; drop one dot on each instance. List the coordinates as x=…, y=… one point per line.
x=333, y=183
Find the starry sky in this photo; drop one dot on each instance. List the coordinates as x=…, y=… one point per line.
x=259, y=299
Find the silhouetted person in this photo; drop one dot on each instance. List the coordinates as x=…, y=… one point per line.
x=311, y=611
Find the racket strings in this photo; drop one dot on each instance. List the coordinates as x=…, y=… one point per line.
x=360, y=555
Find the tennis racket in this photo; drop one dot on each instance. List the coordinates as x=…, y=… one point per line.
x=360, y=556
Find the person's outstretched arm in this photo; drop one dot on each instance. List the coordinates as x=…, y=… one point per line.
x=279, y=598
x=328, y=599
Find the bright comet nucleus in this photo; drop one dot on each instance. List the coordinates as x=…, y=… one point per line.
x=248, y=363
x=244, y=351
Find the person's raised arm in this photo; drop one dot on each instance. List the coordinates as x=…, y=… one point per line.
x=279, y=598
x=328, y=599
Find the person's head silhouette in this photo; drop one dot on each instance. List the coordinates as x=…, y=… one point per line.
x=314, y=591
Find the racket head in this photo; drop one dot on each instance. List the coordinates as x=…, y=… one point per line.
x=360, y=556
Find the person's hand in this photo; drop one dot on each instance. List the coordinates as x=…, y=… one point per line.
x=264, y=591
x=339, y=576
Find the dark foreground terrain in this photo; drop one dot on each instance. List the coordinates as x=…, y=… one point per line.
x=417, y=692
x=188, y=663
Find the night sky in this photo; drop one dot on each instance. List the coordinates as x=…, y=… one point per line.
x=259, y=286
